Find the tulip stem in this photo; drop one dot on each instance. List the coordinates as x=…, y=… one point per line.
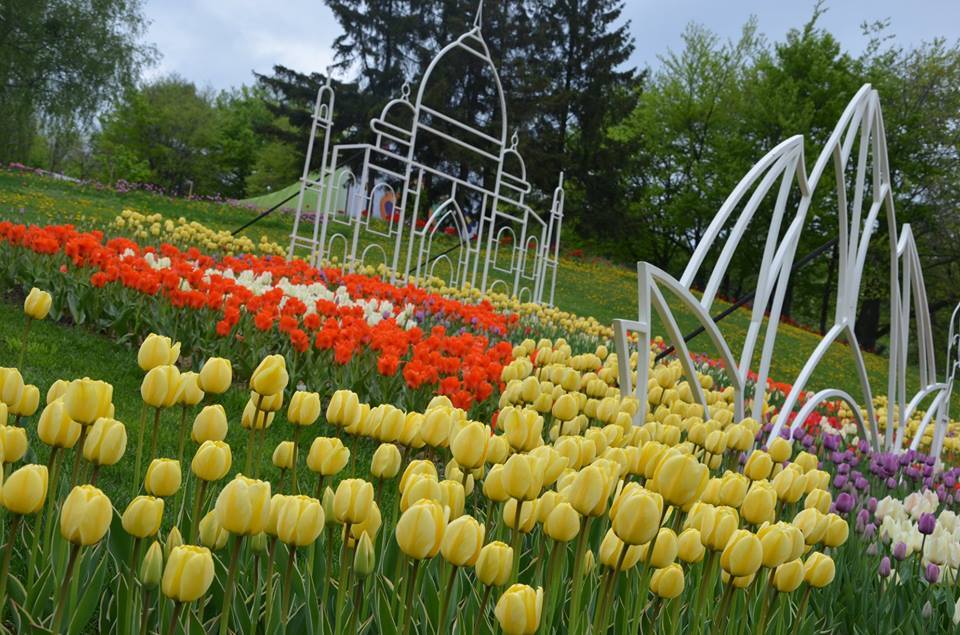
x=294, y=483
x=719, y=625
x=139, y=462
x=548, y=577
x=445, y=602
x=52, y=495
x=197, y=506
x=802, y=610
x=291, y=564
x=145, y=613
x=7, y=553
x=23, y=340
x=483, y=603
x=155, y=434
x=515, y=543
x=95, y=474
x=65, y=588
x=601, y=626
x=228, y=589
x=408, y=606
x=250, y=443
x=183, y=429
x=174, y=618
x=578, y=574
x=345, y=562
x=357, y=603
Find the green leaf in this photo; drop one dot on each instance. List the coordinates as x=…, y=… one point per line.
x=90, y=598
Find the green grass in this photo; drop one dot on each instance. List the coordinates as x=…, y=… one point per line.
x=603, y=291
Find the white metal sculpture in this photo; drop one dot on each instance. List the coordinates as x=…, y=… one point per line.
x=858, y=153
x=385, y=199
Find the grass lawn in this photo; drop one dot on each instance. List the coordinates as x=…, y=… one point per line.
x=602, y=291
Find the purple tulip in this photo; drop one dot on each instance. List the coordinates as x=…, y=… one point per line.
x=932, y=574
x=870, y=531
x=843, y=468
x=839, y=481
x=926, y=524
x=900, y=551
x=863, y=516
x=885, y=568
x=845, y=502
x=872, y=504
x=831, y=441
x=891, y=483
x=863, y=446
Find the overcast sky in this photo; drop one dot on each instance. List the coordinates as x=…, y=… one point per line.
x=218, y=43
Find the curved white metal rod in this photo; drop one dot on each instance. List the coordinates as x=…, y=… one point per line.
x=831, y=394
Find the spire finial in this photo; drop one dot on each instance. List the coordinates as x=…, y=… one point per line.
x=329, y=75
x=478, y=20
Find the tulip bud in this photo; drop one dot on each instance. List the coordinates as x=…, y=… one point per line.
x=327, y=456
x=13, y=442
x=760, y=503
x=163, y=477
x=188, y=390
x=28, y=403
x=210, y=424
x=636, y=516
x=733, y=489
x=518, y=610
x=85, y=516
x=151, y=570
x=364, y=557
x=243, y=506
x=304, y=408
x=56, y=390
x=212, y=461
x=523, y=476
x=776, y=543
x=212, y=535
x=758, y=465
x=301, y=520
x=469, y=446
x=87, y=400
x=216, y=376
x=462, y=541
x=494, y=564
x=690, y=546
x=270, y=377
x=56, y=428
x=143, y=516
x=25, y=491
x=493, y=487
x=665, y=548
x=819, y=499
x=106, y=442
x=789, y=485
x=453, y=497
x=37, y=304
x=157, y=350
x=812, y=523
x=818, y=570
x=788, y=576
x=11, y=386
x=616, y=554
x=285, y=455
x=780, y=450
x=160, y=386
x=563, y=523
x=589, y=562
x=667, y=582
x=386, y=461
x=188, y=574
x=420, y=529
x=680, y=479
x=742, y=555
x=837, y=531
x=352, y=501
x=528, y=515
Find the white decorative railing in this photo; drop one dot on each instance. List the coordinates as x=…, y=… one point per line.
x=857, y=151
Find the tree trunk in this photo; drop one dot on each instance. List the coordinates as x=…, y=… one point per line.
x=828, y=290
x=867, y=327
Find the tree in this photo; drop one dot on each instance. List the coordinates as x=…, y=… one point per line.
x=61, y=62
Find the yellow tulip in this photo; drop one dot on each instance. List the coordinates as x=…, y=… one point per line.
x=11, y=386
x=284, y=455
x=370, y=525
x=818, y=570
x=690, y=547
x=494, y=564
x=790, y=485
x=216, y=376
x=37, y=304
x=159, y=386
x=523, y=476
x=522, y=428
x=352, y=501
x=493, y=487
x=777, y=544
x=469, y=446
x=760, y=503
x=420, y=487
x=327, y=456
x=819, y=499
x=435, y=427
x=243, y=506
x=188, y=574
x=743, y=554
x=188, y=389
x=106, y=442
x=589, y=491
x=25, y=490
x=212, y=461
x=733, y=489
x=462, y=541
x=807, y=461
x=28, y=403
x=667, y=582
x=565, y=407
x=780, y=450
x=85, y=516
x=518, y=610
x=151, y=570
x=163, y=477
x=385, y=463
x=157, y=350
x=304, y=408
x=56, y=428
x=812, y=523
x=563, y=523
x=420, y=529
x=212, y=535
x=616, y=554
x=636, y=516
x=665, y=549
x=453, y=497
x=87, y=400
x=364, y=557
x=528, y=515
x=680, y=479
x=300, y=521
x=270, y=376
x=837, y=531
x=210, y=424
x=14, y=441
x=498, y=449
x=143, y=516
x=788, y=576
